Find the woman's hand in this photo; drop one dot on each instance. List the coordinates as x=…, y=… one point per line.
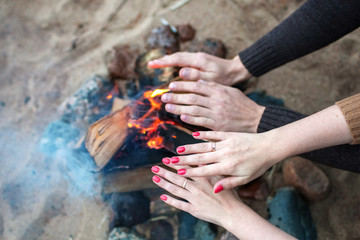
x=224, y=209
x=204, y=66
x=240, y=156
x=213, y=106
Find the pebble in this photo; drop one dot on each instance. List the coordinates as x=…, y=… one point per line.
x=257, y=189
x=186, y=32
x=123, y=62
x=163, y=37
x=123, y=233
x=191, y=228
x=307, y=178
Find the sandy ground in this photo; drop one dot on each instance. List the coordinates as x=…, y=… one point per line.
x=48, y=48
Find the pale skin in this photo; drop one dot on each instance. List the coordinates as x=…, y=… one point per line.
x=224, y=209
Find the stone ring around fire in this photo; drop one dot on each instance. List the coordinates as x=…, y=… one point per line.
x=184, y=184
x=213, y=148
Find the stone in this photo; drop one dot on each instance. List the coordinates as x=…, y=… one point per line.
x=186, y=32
x=161, y=230
x=257, y=189
x=212, y=46
x=122, y=63
x=288, y=211
x=163, y=37
x=123, y=233
x=228, y=236
x=1, y=226
x=130, y=208
x=307, y=178
x=261, y=98
x=191, y=228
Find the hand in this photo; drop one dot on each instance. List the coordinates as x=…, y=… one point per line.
x=213, y=106
x=224, y=209
x=241, y=156
x=204, y=66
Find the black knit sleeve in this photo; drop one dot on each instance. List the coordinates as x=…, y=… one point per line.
x=314, y=25
x=346, y=157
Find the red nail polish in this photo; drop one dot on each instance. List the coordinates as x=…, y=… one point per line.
x=180, y=149
x=175, y=160
x=181, y=171
x=219, y=189
x=163, y=197
x=195, y=134
x=155, y=169
x=166, y=160
x=156, y=179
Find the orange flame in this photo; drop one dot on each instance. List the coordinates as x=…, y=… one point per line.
x=108, y=97
x=150, y=132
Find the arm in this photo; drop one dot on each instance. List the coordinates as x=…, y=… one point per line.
x=314, y=25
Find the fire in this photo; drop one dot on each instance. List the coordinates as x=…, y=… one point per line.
x=110, y=96
x=149, y=124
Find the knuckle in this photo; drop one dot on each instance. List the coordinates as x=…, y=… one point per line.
x=193, y=98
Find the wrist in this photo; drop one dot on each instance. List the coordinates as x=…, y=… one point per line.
x=278, y=145
x=238, y=71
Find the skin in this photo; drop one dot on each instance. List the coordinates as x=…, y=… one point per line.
x=244, y=157
x=224, y=209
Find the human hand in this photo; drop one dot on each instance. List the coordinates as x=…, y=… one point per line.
x=240, y=156
x=224, y=209
x=205, y=66
x=214, y=106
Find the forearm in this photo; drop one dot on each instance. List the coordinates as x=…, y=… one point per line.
x=324, y=129
x=314, y=25
x=244, y=223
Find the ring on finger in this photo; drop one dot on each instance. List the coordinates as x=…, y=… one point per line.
x=213, y=147
x=184, y=184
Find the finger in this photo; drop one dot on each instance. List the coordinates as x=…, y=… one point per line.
x=203, y=171
x=195, y=159
x=211, y=135
x=188, y=99
x=172, y=188
x=231, y=182
x=199, y=148
x=171, y=177
x=180, y=59
x=192, y=87
x=192, y=110
x=198, y=121
x=184, y=206
x=192, y=74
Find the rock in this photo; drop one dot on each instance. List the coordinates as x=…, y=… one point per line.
x=163, y=37
x=122, y=63
x=89, y=103
x=161, y=230
x=306, y=177
x=257, y=189
x=1, y=225
x=191, y=228
x=186, y=32
x=288, y=211
x=153, y=76
x=210, y=46
x=261, y=98
x=123, y=233
x=129, y=208
x=228, y=236
x=158, y=208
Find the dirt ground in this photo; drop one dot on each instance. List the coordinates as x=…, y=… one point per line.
x=49, y=47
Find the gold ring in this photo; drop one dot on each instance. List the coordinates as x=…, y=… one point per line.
x=184, y=184
x=213, y=149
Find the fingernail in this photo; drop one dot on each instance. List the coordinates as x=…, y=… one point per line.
x=175, y=160
x=163, y=197
x=185, y=72
x=181, y=171
x=152, y=62
x=195, y=134
x=169, y=107
x=155, y=169
x=166, y=160
x=165, y=97
x=156, y=179
x=172, y=85
x=180, y=149
x=219, y=189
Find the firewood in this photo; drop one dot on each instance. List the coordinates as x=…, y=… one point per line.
x=107, y=135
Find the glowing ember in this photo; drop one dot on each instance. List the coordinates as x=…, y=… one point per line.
x=108, y=97
x=149, y=124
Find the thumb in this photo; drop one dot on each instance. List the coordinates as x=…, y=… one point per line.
x=229, y=183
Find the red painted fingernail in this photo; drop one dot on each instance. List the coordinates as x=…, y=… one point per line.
x=219, y=189
x=195, y=134
x=175, y=160
x=166, y=160
x=155, y=169
x=156, y=179
x=163, y=197
x=181, y=171
x=180, y=149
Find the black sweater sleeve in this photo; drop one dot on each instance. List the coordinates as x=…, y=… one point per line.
x=314, y=25
x=346, y=157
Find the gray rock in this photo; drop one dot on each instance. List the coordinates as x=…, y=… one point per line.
x=123, y=233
